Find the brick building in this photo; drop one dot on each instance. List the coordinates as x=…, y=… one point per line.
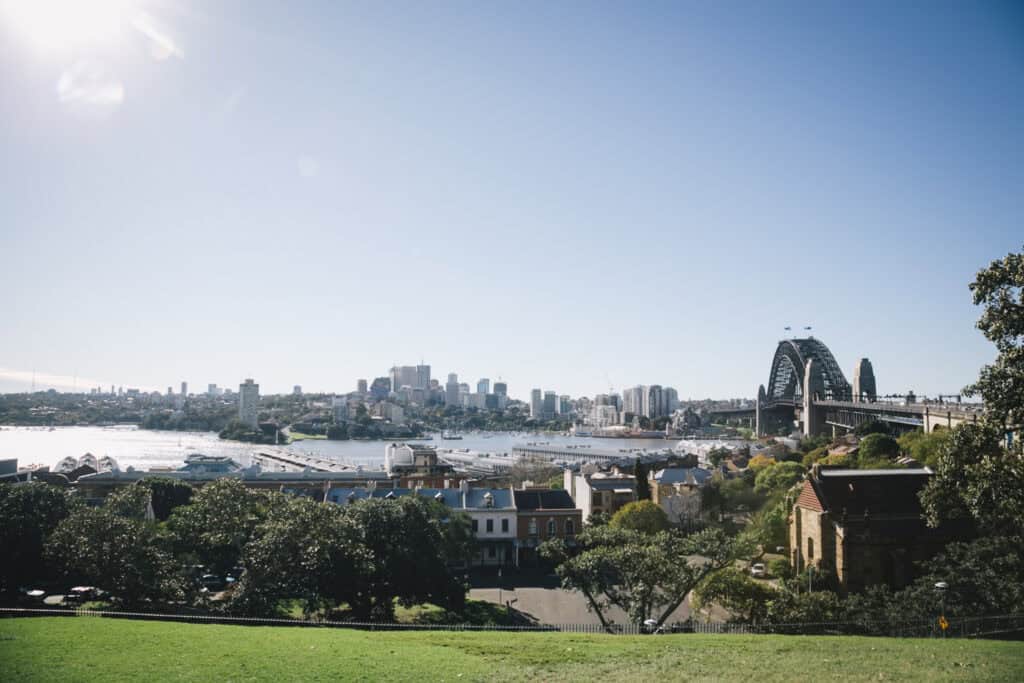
x=543, y=514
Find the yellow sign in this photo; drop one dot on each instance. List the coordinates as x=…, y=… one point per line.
x=943, y=624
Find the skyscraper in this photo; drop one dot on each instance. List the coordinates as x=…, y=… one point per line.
x=536, y=403
x=483, y=386
x=184, y=389
x=422, y=377
x=248, y=403
x=451, y=390
x=501, y=389
x=361, y=386
x=550, y=408
x=297, y=390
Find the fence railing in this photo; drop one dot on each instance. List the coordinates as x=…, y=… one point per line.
x=964, y=627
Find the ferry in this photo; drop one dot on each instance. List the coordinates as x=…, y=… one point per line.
x=450, y=436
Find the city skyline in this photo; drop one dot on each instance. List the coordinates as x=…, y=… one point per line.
x=248, y=191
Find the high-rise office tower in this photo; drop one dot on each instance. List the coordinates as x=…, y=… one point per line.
x=501, y=388
x=536, y=403
x=422, y=377
x=361, y=386
x=550, y=408
x=184, y=389
x=451, y=390
x=248, y=403
x=483, y=386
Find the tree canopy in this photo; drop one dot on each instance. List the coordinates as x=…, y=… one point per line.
x=644, y=516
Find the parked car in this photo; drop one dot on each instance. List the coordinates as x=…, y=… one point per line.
x=757, y=570
x=212, y=582
x=81, y=594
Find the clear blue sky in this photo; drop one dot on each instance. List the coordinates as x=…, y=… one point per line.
x=562, y=194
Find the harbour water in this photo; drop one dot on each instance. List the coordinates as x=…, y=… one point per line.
x=145, y=448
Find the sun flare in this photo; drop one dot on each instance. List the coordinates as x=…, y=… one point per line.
x=63, y=24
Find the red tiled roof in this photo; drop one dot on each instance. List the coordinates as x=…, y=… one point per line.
x=809, y=498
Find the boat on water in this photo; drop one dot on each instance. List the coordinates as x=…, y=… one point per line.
x=107, y=464
x=200, y=462
x=66, y=465
x=450, y=436
x=89, y=460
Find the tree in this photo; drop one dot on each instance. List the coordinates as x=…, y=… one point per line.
x=877, y=450
x=29, y=514
x=167, y=494
x=117, y=553
x=717, y=455
x=924, y=448
x=871, y=427
x=643, y=487
x=407, y=546
x=999, y=288
x=779, y=477
x=647, y=576
x=305, y=550
x=642, y=515
x=976, y=479
x=760, y=462
x=734, y=590
x=217, y=524
x=133, y=502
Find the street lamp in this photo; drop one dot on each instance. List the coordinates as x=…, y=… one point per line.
x=940, y=588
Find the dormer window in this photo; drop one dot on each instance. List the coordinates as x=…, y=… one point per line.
x=488, y=500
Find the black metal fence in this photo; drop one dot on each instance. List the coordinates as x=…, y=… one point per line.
x=966, y=627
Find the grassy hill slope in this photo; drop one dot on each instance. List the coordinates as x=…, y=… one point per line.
x=93, y=648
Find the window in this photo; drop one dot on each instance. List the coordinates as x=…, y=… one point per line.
x=596, y=498
x=504, y=526
x=552, y=527
x=490, y=526
x=490, y=551
x=533, y=526
x=570, y=528
x=476, y=526
x=810, y=549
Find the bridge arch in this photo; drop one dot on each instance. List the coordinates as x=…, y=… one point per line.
x=786, y=380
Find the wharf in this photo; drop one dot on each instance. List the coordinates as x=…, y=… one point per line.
x=298, y=462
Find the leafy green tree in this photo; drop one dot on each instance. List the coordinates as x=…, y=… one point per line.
x=814, y=456
x=218, y=523
x=647, y=576
x=792, y=607
x=999, y=288
x=924, y=448
x=134, y=502
x=644, y=516
x=167, y=494
x=778, y=477
x=877, y=450
x=717, y=455
x=747, y=600
x=643, y=487
x=769, y=527
x=976, y=479
x=118, y=553
x=305, y=550
x=28, y=515
x=871, y=427
x=405, y=541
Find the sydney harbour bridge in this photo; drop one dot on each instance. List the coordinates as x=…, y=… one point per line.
x=807, y=388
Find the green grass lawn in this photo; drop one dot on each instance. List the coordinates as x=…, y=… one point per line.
x=94, y=648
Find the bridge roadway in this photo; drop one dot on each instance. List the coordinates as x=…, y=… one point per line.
x=925, y=415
